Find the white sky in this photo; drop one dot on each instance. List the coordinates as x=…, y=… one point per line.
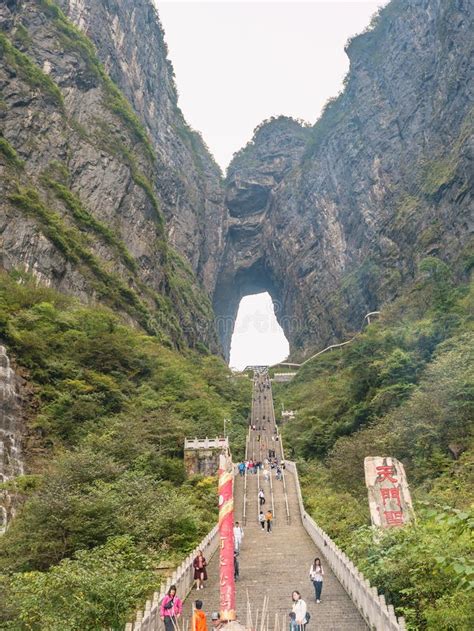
x=238, y=63
x=258, y=338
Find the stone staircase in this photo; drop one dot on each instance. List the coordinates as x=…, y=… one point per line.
x=273, y=565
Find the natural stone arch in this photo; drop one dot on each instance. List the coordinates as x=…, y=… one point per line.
x=233, y=284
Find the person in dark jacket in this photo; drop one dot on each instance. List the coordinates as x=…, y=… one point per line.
x=200, y=572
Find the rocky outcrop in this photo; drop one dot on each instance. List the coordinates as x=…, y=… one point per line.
x=109, y=195
x=251, y=250
x=336, y=228
x=99, y=199
x=130, y=43
x=11, y=431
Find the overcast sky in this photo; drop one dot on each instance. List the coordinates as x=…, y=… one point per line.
x=237, y=63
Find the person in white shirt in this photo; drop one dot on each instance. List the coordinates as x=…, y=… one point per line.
x=238, y=536
x=299, y=609
x=316, y=574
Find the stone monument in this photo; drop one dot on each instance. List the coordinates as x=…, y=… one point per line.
x=389, y=495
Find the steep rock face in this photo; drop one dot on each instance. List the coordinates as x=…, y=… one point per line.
x=124, y=204
x=385, y=180
x=250, y=251
x=11, y=430
x=129, y=40
x=90, y=197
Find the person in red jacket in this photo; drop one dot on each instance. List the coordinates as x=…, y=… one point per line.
x=171, y=609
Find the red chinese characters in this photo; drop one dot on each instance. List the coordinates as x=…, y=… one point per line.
x=387, y=494
x=385, y=472
x=391, y=494
x=394, y=517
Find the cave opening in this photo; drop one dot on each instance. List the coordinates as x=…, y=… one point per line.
x=257, y=337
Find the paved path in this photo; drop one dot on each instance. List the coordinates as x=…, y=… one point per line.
x=275, y=564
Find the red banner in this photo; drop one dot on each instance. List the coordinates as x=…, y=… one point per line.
x=226, y=533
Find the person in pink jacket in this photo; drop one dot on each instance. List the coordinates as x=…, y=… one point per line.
x=170, y=609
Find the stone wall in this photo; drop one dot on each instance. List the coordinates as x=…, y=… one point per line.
x=11, y=430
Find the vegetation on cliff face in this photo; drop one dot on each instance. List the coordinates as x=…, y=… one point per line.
x=91, y=239
x=403, y=388
x=29, y=71
x=106, y=501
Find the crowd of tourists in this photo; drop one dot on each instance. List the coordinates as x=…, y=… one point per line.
x=299, y=616
x=272, y=463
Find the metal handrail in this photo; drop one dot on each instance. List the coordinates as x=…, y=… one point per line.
x=328, y=348
x=282, y=454
x=288, y=518
x=244, y=509
x=271, y=494
x=258, y=490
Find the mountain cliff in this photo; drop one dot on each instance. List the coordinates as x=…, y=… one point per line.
x=108, y=194
x=105, y=197
x=130, y=43
x=334, y=220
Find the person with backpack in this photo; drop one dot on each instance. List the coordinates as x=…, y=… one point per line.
x=171, y=609
x=316, y=574
x=300, y=610
x=199, y=622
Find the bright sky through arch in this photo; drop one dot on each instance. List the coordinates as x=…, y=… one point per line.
x=238, y=63
x=257, y=338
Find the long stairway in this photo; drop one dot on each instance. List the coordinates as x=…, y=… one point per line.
x=273, y=565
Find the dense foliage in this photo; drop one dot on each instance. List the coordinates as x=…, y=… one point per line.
x=403, y=388
x=107, y=502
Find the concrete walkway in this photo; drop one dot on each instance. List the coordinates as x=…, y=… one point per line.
x=273, y=565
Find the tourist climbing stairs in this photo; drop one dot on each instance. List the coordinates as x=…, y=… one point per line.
x=273, y=565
